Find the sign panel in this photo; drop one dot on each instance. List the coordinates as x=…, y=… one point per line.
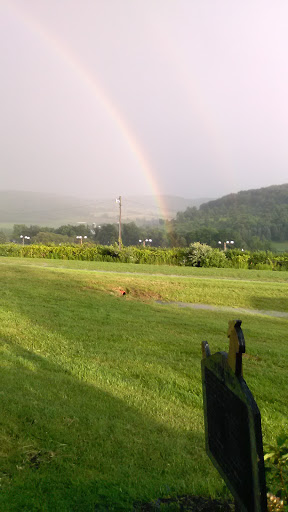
x=233, y=424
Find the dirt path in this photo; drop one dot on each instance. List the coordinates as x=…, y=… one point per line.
x=279, y=314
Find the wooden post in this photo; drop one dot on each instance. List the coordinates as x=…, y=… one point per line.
x=120, y=215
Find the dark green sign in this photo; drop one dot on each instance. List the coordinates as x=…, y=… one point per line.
x=233, y=424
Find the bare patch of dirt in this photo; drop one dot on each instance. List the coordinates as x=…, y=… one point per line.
x=144, y=294
x=254, y=358
x=36, y=458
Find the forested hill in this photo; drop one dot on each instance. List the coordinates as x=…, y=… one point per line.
x=251, y=217
x=255, y=202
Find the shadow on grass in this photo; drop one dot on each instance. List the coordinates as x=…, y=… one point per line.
x=69, y=446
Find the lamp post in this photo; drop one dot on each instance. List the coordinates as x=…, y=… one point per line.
x=145, y=241
x=23, y=238
x=80, y=237
x=231, y=242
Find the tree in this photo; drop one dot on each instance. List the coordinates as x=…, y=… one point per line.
x=107, y=234
x=3, y=237
x=130, y=233
x=20, y=229
x=73, y=231
x=32, y=230
x=48, y=238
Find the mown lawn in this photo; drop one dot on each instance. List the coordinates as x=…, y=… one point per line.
x=266, y=290
x=101, y=394
x=131, y=268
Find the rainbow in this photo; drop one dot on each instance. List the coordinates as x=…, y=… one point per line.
x=196, y=101
x=109, y=107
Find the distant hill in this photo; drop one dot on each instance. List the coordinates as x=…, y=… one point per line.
x=255, y=201
x=149, y=208
x=18, y=207
x=250, y=218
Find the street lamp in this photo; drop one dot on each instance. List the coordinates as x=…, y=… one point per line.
x=80, y=237
x=24, y=237
x=231, y=242
x=145, y=241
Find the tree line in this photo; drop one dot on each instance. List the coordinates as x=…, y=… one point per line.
x=106, y=234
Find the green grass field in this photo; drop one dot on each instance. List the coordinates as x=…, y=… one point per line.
x=116, y=267
x=101, y=394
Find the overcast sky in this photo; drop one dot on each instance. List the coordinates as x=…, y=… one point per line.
x=108, y=97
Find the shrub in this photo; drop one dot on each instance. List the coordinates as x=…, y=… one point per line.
x=198, y=254
x=216, y=258
x=260, y=258
x=237, y=259
x=277, y=468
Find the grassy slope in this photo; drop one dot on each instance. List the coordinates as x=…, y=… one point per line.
x=267, y=290
x=215, y=273
x=101, y=396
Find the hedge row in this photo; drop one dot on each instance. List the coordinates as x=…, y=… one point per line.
x=199, y=255
x=84, y=252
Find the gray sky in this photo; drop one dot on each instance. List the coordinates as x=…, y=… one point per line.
x=108, y=97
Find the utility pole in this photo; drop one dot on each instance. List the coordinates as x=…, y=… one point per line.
x=119, y=201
